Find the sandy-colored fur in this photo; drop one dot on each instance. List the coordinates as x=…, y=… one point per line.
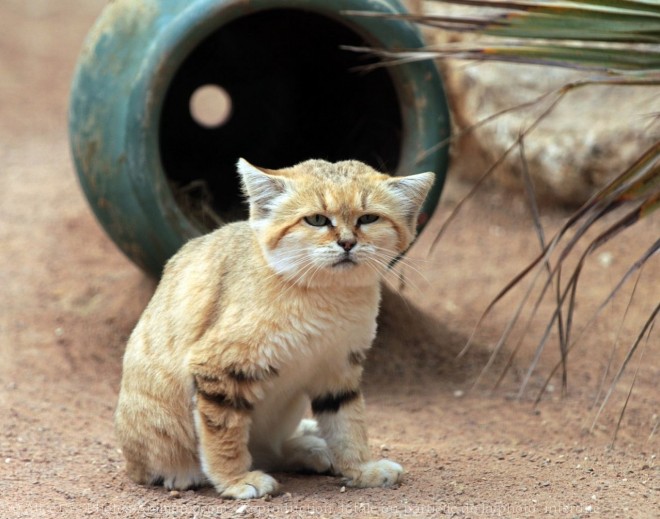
x=254, y=321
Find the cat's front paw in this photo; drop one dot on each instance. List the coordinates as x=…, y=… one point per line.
x=254, y=485
x=382, y=473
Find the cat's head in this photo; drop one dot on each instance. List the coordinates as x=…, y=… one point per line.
x=320, y=223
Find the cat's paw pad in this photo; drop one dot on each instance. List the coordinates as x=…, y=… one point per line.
x=382, y=473
x=254, y=485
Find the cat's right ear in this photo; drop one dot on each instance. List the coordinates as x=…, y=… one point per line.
x=261, y=188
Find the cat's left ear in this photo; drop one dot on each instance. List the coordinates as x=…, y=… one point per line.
x=261, y=187
x=411, y=192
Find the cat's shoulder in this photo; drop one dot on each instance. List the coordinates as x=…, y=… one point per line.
x=229, y=236
x=229, y=241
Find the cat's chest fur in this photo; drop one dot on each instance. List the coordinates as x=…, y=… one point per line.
x=320, y=339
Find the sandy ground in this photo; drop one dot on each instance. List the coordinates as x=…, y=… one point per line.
x=69, y=299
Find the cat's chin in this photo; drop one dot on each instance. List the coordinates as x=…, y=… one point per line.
x=349, y=275
x=345, y=263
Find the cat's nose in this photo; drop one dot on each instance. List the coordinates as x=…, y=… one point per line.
x=347, y=245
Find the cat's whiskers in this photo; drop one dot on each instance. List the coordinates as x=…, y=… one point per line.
x=314, y=273
x=422, y=261
x=295, y=281
x=376, y=265
x=296, y=259
x=408, y=259
x=404, y=265
x=409, y=263
x=384, y=262
x=305, y=269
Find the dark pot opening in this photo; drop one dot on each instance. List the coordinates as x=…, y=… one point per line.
x=275, y=88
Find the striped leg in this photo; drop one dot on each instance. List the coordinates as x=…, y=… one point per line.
x=341, y=421
x=222, y=419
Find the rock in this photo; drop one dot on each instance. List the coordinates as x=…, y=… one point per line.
x=592, y=135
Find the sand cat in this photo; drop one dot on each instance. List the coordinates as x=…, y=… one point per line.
x=259, y=322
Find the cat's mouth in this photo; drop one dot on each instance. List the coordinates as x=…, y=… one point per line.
x=344, y=262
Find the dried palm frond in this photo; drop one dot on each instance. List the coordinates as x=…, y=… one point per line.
x=617, y=37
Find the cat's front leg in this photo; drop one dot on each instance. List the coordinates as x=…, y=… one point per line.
x=222, y=420
x=341, y=420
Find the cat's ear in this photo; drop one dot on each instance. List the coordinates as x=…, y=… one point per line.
x=261, y=187
x=411, y=192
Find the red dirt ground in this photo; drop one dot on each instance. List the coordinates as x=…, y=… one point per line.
x=69, y=300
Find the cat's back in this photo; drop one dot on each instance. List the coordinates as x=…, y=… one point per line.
x=196, y=282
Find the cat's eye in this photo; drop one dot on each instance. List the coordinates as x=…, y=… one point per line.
x=367, y=218
x=317, y=220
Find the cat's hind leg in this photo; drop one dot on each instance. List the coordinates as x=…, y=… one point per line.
x=306, y=451
x=185, y=479
x=159, y=446
x=155, y=472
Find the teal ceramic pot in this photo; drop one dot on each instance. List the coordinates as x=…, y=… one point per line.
x=158, y=169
